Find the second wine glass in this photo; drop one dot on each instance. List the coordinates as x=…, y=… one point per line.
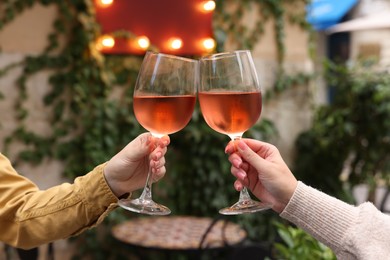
x=164, y=100
x=231, y=102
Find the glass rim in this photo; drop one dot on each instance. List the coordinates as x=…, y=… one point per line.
x=171, y=56
x=224, y=54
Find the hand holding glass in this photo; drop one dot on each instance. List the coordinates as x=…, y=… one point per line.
x=164, y=100
x=231, y=103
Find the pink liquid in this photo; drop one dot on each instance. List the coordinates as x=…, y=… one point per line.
x=164, y=114
x=230, y=113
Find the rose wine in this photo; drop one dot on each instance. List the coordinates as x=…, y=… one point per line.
x=230, y=113
x=164, y=114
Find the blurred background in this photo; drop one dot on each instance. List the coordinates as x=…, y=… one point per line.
x=68, y=68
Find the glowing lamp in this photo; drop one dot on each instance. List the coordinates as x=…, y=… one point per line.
x=105, y=42
x=104, y=3
x=208, y=44
x=143, y=42
x=175, y=43
x=208, y=6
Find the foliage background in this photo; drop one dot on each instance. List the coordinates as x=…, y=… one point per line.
x=349, y=141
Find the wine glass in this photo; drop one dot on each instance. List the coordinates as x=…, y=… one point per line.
x=230, y=99
x=164, y=100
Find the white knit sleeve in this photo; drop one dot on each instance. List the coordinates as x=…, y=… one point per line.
x=361, y=232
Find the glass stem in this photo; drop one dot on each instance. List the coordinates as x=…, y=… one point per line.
x=244, y=194
x=147, y=192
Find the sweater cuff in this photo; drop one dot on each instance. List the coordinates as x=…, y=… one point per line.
x=324, y=217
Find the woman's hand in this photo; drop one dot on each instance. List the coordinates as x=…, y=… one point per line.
x=127, y=170
x=260, y=167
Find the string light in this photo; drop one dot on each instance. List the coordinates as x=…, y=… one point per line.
x=186, y=43
x=208, y=44
x=143, y=42
x=176, y=43
x=105, y=42
x=108, y=41
x=105, y=3
x=208, y=6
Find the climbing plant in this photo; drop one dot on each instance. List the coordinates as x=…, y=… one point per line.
x=91, y=121
x=232, y=21
x=348, y=142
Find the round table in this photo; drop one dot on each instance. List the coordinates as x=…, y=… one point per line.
x=179, y=233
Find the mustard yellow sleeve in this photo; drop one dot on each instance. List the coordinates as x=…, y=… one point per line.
x=30, y=217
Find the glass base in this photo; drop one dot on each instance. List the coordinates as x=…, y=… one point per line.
x=143, y=206
x=245, y=207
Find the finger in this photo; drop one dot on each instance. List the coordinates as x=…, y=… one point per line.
x=244, y=166
x=140, y=146
x=235, y=160
x=157, y=154
x=158, y=174
x=251, y=157
x=164, y=141
x=238, y=185
x=256, y=145
x=163, y=150
x=230, y=147
x=238, y=173
x=157, y=163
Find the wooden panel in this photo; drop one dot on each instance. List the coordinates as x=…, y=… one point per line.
x=159, y=20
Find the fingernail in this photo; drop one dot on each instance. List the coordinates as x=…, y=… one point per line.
x=237, y=163
x=228, y=149
x=148, y=140
x=157, y=155
x=242, y=175
x=238, y=186
x=163, y=143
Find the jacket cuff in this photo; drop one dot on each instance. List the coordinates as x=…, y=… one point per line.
x=97, y=195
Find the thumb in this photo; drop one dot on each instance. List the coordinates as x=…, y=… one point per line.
x=140, y=146
x=250, y=156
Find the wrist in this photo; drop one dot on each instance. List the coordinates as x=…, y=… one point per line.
x=288, y=194
x=112, y=183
